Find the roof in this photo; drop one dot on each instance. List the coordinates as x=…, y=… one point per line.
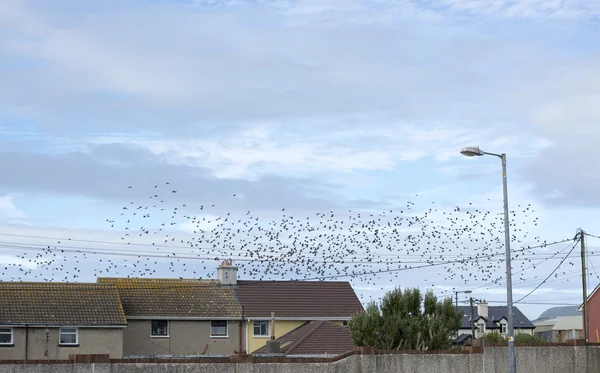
x=569, y=323
x=555, y=312
x=315, y=338
x=495, y=313
x=330, y=299
x=191, y=298
x=60, y=303
x=461, y=339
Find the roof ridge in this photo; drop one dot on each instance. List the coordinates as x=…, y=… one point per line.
x=303, y=338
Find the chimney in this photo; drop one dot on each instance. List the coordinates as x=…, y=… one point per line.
x=482, y=309
x=227, y=273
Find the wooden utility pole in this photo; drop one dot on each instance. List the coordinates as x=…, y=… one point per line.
x=583, y=280
x=472, y=321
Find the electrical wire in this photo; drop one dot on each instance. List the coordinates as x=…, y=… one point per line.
x=551, y=273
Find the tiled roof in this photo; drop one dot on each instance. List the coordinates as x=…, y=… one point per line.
x=495, y=313
x=175, y=298
x=47, y=303
x=315, y=338
x=298, y=299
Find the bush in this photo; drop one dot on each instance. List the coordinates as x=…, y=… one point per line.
x=406, y=320
x=523, y=339
x=529, y=339
x=493, y=339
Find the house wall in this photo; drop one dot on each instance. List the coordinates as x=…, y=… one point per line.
x=185, y=338
x=281, y=327
x=42, y=346
x=593, y=318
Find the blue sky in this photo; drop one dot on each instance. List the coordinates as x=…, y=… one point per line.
x=308, y=105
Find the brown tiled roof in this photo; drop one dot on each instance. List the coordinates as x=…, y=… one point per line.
x=315, y=338
x=52, y=303
x=304, y=299
x=175, y=298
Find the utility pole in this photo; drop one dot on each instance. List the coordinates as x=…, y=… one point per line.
x=472, y=319
x=583, y=281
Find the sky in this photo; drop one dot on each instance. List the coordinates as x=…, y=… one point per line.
x=304, y=105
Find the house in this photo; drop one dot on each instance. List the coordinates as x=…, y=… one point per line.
x=493, y=320
x=42, y=320
x=178, y=316
x=593, y=305
x=560, y=329
x=315, y=338
x=292, y=303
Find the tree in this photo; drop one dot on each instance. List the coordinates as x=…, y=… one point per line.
x=406, y=320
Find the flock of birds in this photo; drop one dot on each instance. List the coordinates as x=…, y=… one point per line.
x=158, y=235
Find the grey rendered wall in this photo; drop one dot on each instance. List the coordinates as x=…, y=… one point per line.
x=185, y=338
x=561, y=359
x=91, y=341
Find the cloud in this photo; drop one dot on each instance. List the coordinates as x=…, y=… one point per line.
x=9, y=211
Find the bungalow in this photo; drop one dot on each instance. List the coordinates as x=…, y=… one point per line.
x=178, y=317
x=293, y=304
x=42, y=320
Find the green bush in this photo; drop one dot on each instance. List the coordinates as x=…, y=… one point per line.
x=406, y=320
x=493, y=339
x=529, y=339
x=525, y=339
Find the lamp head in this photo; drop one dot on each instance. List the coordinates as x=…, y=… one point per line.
x=471, y=151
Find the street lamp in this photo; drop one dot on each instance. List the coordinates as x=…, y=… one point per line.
x=456, y=297
x=476, y=152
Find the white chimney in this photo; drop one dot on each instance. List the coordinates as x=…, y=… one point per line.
x=227, y=273
x=482, y=309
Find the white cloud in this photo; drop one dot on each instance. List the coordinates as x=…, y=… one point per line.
x=9, y=211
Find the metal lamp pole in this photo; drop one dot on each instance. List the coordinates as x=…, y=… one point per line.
x=512, y=361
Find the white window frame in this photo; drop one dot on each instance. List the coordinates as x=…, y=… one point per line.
x=226, y=335
x=60, y=333
x=12, y=338
x=503, y=328
x=480, y=328
x=168, y=329
x=261, y=335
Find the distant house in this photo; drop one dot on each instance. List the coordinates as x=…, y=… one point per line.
x=41, y=320
x=293, y=303
x=315, y=338
x=559, y=329
x=178, y=316
x=493, y=319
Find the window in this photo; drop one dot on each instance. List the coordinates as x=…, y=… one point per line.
x=480, y=328
x=261, y=328
x=218, y=328
x=160, y=328
x=345, y=323
x=68, y=336
x=503, y=328
x=6, y=336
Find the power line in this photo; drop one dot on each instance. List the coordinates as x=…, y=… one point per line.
x=551, y=273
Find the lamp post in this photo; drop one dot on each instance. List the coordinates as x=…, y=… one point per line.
x=476, y=152
x=456, y=297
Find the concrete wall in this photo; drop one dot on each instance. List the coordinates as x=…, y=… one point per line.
x=563, y=359
x=42, y=346
x=185, y=338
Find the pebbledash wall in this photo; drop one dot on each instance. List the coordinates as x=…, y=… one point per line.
x=539, y=359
